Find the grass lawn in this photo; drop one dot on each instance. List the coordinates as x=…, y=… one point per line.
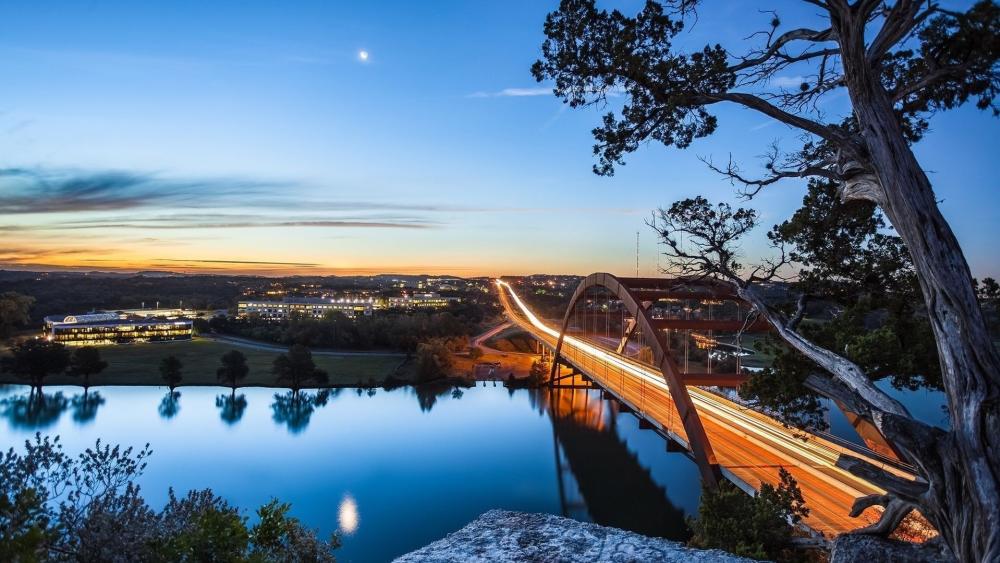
x=139, y=364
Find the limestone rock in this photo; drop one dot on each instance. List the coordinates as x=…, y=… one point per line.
x=501, y=535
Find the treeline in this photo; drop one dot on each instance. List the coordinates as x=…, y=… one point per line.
x=56, y=294
x=396, y=331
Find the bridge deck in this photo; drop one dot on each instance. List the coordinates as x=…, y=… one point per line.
x=749, y=446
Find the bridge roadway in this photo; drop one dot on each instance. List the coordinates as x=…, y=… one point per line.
x=750, y=447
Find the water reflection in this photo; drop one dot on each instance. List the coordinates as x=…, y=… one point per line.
x=85, y=406
x=429, y=393
x=231, y=407
x=170, y=405
x=295, y=408
x=605, y=472
x=34, y=410
x=348, y=518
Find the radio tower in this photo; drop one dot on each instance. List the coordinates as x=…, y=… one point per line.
x=637, y=254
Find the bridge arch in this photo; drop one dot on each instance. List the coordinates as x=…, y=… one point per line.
x=634, y=303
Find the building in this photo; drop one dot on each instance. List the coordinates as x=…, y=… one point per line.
x=420, y=301
x=95, y=329
x=314, y=307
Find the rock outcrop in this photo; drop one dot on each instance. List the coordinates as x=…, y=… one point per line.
x=849, y=548
x=501, y=535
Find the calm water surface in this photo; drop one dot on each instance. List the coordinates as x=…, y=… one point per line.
x=392, y=470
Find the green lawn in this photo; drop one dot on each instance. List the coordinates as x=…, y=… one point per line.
x=138, y=364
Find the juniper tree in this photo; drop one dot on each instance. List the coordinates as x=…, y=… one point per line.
x=899, y=63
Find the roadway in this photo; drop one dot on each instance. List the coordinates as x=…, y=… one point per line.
x=749, y=446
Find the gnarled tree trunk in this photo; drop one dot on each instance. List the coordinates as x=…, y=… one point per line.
x=963, y=465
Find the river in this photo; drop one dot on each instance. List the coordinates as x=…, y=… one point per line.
x=388, y=470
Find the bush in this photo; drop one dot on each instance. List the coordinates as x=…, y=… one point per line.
x=751, y=526
x=54, y=507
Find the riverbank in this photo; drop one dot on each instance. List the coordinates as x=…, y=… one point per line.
x=138, y=364
x=503, y=535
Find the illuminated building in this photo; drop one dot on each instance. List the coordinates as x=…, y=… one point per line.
x=305, y=306
x=96, y=329
x=420, y=301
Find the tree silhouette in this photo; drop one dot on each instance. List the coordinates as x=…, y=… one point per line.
x=296, y=369
x=170, y=371
x=85, y=362
x=234, y=369
x=35, y=359
x=14, y=309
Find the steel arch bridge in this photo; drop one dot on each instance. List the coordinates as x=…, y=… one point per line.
x=638, y=363
x=637, y=295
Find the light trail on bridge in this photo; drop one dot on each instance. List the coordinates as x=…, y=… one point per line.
x=750, y=446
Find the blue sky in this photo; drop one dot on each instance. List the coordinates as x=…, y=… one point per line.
x=251, y=137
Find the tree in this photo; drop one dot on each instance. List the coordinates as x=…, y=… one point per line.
x=899, y=62
x=433, y=359
x=751, y=526
x=35, y=359
x=85, y=362
x=233, y=370
x=14, y=309
x=296, y=369
x=170, y=371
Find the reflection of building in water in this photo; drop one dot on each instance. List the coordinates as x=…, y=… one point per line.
x=114, y=328
x=600, y=479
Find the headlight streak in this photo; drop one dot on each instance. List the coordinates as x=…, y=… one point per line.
x=819, y=458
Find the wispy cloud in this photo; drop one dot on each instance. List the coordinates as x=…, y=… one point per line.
x=513, y=93
x=26, y=190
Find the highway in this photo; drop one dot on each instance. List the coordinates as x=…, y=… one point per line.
x=749, y=446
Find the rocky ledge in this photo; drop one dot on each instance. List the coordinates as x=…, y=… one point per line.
x=502, y=535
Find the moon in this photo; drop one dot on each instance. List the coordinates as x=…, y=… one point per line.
x=363, y=55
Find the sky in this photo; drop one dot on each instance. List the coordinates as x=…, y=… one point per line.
x=254, y=137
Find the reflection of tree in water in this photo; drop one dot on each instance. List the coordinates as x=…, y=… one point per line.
x=428, y=394
x=231, y=407
x=617, y=489
x=33, y=410
x=85, y=406
x=170, y=405
x=295, y=408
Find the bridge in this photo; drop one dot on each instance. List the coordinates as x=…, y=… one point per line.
x=655, y=346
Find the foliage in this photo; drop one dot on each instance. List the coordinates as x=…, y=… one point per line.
x=899, y=62
x=989, y=296
x=85, y=362
x=54, y=507
x=433, y=360
x=234, y=368
x=35, y=359
x=866, y=301
x=389, y=330
x=14, y=311
x=280, y=537
x=751, y=526
x=171, y=371
x=296, y=369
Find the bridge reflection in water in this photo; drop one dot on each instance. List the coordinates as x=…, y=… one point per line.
x=600, y=478
x=635, y=362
